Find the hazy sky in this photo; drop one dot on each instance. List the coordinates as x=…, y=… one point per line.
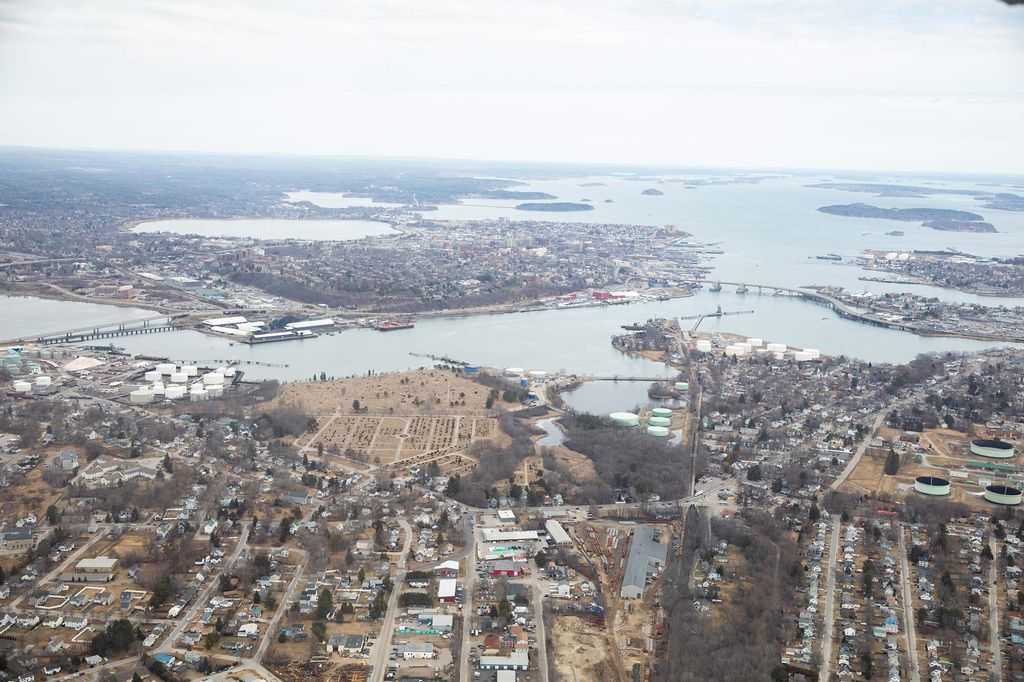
x=913, y=84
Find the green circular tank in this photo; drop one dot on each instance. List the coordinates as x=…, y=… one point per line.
x=624, y=418
x=931, y=485
x=659, y=431
x=682, y=386
x=659, y=421
x=661, y=412
x=1003, y=494
x=995, y=448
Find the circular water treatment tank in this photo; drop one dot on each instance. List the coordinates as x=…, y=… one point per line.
x=931, y=485
x=624, y=418
x=1003, y=494
x=998, y=449
x=661, y=412
x=659, y=431
x=659, y=421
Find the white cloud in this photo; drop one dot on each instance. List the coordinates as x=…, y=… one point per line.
x=913, y=84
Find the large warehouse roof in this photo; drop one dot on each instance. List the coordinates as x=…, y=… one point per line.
x=642, y=553
x=496, y=535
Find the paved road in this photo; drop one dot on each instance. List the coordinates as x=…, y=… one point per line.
x=62, y=566
x=379, y=653
x=286, y=599
x=185, y=618
x=829, y=615
x=908, y=612
x=538, y=615
x=467, y=607
x=993, y=612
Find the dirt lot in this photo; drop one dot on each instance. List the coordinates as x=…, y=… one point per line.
x=425, y=392
x=579, y=651
x=942, y=451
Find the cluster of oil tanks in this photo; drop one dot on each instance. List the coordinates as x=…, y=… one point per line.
x=657, y=423
x=995, y=493
x=40, y=383
x=182, y=381
x=755, y=346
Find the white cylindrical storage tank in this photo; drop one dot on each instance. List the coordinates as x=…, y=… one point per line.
x=802, y=356
x=22, y=387
x=190, y=370
x=736, y=349
x=179, y=378
x=661, y=412
x=153, y=375
x=1003, y=494
x=229, y=372
x=624, y=418
x=682, y=386
x=994, y=448
x=158, y=388
x=755, y=342
x=703, y=345
x=776, y=347
x=659, y=431
x=537, y=374
x=43, y=382
x=659, y=421
x=141, y=395
x=165, y=368
x=813, y=352
x=197, y=393
x=931, y=485
x=175, y=392
x=215, y=391
x=514, y=372
x=213, y=378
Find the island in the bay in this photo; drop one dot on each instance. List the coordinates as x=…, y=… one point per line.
x=935, y=218
x=653, y=192
x=554, y=206
x=513, y=194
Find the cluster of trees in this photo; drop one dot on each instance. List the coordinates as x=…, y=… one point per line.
x=119, y=636
x=625, y=459
x=497, y=463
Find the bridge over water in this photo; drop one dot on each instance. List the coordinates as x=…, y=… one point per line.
x=142, y=325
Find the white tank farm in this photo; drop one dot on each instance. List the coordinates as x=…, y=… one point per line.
x=153, y=375
x=537, y=374
x=736, y=349
x=213, y=378
x=175, y=392
x=659, y=431
x=22, y=387
x=624, y=418
x=704, y=345
x=755, y=342
x=158, y=388
x=814, y=353
x=776, y=347
x=803, y=356
x=43, y=382
x=228, y=372
x=215, y=391
x=514, y=372
x=179, y=378
x=141, y=395
x=190, y=370
x=198, y=393
x=165, y=368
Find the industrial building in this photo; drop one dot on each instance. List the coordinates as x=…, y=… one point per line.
x=557, y=533
x=645, y=555
x=446, y=590
x=495, y=535
x=516, y=661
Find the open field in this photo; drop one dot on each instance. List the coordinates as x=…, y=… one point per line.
x=943, y=453
x=424, y=392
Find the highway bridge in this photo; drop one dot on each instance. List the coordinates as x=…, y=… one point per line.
x=835, y=304
x=142, y=325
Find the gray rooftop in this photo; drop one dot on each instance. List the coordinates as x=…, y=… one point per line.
x=642, y=553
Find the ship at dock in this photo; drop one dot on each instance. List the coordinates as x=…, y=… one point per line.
x=392, y=325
